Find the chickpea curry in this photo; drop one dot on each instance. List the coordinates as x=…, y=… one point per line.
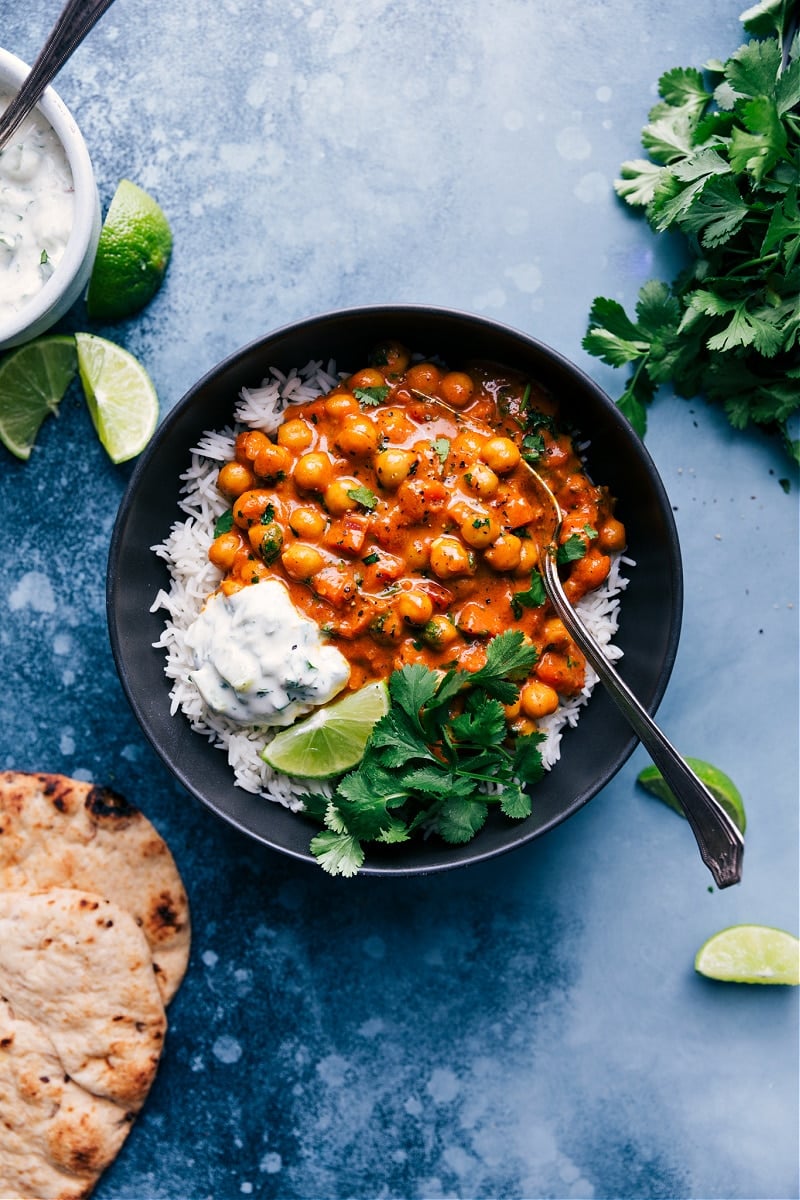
x=399, y=513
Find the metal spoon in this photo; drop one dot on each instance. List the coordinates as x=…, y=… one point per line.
x=76, y=19
x=719, y=840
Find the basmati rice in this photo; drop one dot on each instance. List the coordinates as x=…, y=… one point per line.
x=193, y=578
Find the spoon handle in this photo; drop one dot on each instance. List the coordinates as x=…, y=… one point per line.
x=720, y=843
x=76, y=19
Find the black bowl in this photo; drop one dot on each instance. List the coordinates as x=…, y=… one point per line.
x=650, y=611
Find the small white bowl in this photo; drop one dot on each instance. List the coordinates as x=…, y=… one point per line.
x=71, y=275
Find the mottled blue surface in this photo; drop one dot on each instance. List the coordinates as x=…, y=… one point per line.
x=532, y=1027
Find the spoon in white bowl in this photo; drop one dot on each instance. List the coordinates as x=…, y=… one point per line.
x=76, y=19
x=719, y=840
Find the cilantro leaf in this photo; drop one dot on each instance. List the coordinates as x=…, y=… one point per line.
x=459, y=818
x=223, y=523
x=337, y=853
x=571, y=550
x=371, y=396
x=363, y=496
x=723, y=171
x=532, y=597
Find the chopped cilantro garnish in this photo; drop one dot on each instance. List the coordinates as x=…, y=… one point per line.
x=434, y=765
x=532, y=447
x=371, y=559
x=441, y=447
x=363, y=496
x=371, y=396
x=571, y=550
x=224, y=523
x=534, y=597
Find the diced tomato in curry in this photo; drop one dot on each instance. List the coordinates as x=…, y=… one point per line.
x=400, y=515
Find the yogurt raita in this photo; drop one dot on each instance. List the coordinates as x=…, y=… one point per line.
x=258, y=661
x=36, y=210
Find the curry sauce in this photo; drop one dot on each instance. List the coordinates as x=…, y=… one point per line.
x=399, y=513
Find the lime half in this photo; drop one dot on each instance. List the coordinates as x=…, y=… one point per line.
x=33, y=380
x=722, y=788
x=750, y=954
x=132, y=255
x=330, y=740
x=122, y=400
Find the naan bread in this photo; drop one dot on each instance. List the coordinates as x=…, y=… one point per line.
x=82, y=1026
x=59, y=832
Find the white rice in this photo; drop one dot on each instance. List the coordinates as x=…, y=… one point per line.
x=193, y=578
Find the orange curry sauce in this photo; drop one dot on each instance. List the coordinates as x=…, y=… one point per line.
x=406, y=529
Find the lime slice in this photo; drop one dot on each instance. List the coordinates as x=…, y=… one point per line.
x=330, y=740
x=722, y=788
x=750, y=954
x=33, y=380
x=122, y=400
x=132, y=255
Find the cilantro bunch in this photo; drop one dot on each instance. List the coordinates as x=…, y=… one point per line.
x=436, y=762
x=723, y=171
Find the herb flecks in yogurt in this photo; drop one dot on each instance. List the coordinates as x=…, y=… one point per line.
x=36, y=210
x=258, y=661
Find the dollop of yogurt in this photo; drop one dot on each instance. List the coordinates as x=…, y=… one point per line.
x=258, y=661
x=36, y=210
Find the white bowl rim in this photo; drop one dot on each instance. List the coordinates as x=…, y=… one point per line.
x=12, y=72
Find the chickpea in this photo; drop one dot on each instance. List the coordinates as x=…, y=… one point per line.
x=456, y=389
x=391, y=357
x=250, y=507
x=387, y=628
x=528, y=557
x=301, y=561
x=296, y=435
x=538, y=699
x=272, y=461
x=358, y=436
x=266, y=540
x=466, y=445
x=336, y=498
x=307, y=522
x=554, y=632
x=340, y=404
x=392, y=466
x=415, y=606
x=234, y=478
x=505, y=554
x=440, y=631
x=611, y=535
x=314, y=471
x=423, y=377
x=369, y=377
x=479, y=530
x=249, y=443
x=481, y=479
x=450, y=557
x=223, y=550
x=394, y=425
x=501, y=454
x=418, y=554
x=230, y=586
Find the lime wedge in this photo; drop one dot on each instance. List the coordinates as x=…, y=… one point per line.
x=132, y=255
x=122, y=400
x=750, y=954
x=722, y=788
x=33, y=380
x=330, y=740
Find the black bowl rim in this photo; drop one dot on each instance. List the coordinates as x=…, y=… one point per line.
x=468, y=853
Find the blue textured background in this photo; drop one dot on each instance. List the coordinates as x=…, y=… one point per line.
x=531, y=1027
